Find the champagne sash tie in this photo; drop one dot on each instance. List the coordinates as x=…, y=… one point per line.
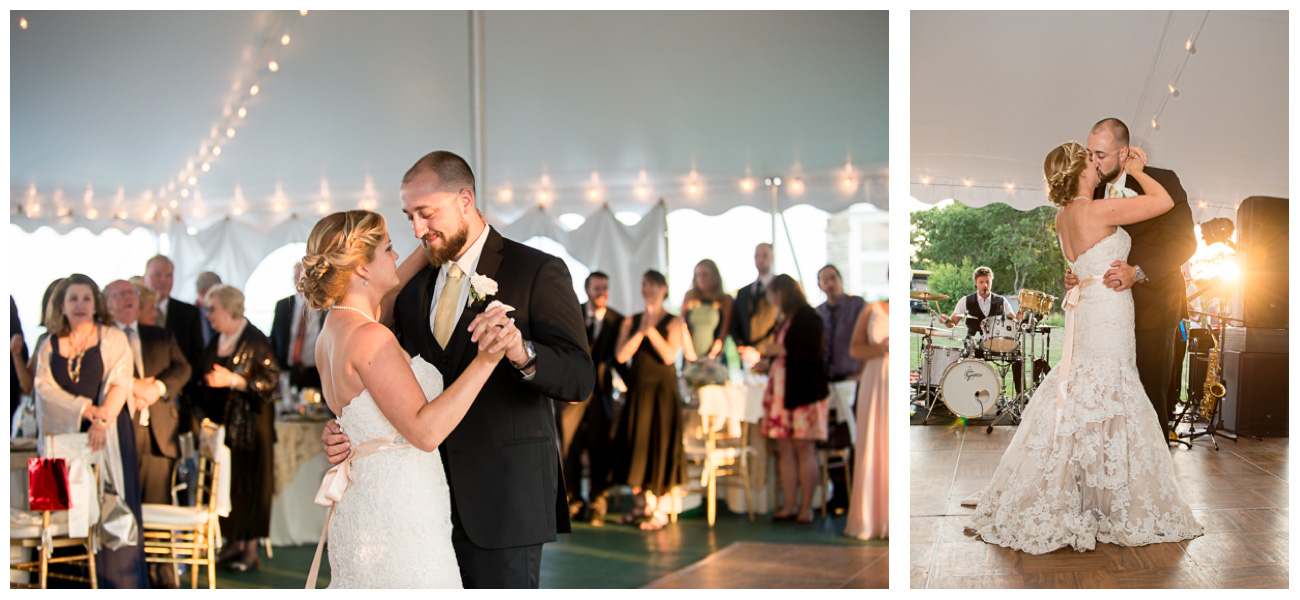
x=335, y=484
x=1071, y=302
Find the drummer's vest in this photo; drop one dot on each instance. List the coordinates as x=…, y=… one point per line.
x=975, y=317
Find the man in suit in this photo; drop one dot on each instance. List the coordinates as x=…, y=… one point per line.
x=586, y=425
x=180, y=318
x=160, y=372
x=202, y=284
x=502, y=461
x=293, y=337
x=753, y=321
x=1153, y=270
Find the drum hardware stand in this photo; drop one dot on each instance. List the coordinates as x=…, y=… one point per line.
x=1015, y=407
x=924, y=390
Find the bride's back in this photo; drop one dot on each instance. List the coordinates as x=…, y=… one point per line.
x=1079, y=229
x=336, y=349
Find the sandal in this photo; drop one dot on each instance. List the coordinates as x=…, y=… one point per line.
x=655, y=522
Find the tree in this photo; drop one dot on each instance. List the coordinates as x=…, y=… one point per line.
x=1020, y=246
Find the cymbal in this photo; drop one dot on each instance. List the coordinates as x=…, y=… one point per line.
x=927, y=296
x=931, y=331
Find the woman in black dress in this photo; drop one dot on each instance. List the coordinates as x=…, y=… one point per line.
x=83, y=379
x=235, y=387
x=650, y=430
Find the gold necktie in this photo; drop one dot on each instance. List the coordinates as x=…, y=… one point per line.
x=1114, y=192
x=444, y=319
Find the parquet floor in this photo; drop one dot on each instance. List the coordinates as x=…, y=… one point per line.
x=1240, y=495
x=757, y=565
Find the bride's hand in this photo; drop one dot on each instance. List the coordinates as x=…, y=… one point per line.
x=495, y=334
x=1137, y=159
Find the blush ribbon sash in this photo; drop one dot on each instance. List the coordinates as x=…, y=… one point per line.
x=335, y=484
x=1070, y=304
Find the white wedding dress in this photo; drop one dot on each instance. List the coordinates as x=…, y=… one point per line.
x=392, y=529
x=1090, y=465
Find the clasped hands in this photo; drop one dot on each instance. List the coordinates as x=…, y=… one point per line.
x=493, y=333
x=1120, y=277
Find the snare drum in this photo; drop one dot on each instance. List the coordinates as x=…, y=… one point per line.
x=938, y=362
x=1001, y=336
x=970, y=388
x=1036, y=302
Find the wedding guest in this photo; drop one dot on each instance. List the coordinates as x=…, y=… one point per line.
x=293, y=337
x=159, y=373
x=205, y=281
x=753, y=319
x=794, y=404
x=649, y=435
x=32, y=361
x=20, y=379
x=706, y=309
x=869, y=504
x=838, y=313
x=586, y=425
x=83, y=383
x=148, y=302
x=235, y=381
x=180, y=318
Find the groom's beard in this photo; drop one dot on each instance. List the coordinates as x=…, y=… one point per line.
x=1108, y=177
x=450, y=248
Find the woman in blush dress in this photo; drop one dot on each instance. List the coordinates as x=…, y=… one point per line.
x=869, y=504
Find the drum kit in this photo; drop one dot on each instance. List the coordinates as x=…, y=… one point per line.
x=971, y=386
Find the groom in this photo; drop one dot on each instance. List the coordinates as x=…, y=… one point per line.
x=1153, y=271
x=502, y=461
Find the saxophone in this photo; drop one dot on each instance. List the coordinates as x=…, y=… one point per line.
x=1214, y=389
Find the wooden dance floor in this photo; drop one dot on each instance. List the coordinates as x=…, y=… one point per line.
x=1239, y=494
x=757, y=565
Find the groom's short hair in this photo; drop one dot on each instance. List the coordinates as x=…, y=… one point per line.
x=1116, y=127
x=452, y=172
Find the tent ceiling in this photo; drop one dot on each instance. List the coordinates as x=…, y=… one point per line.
x=117, y=103
x=993, y=92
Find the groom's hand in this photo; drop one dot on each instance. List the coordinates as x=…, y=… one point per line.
x=1121, y=276
x=1071, y=280
x=336, y=443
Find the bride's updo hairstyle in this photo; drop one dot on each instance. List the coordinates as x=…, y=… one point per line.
x=1062, y=168
x=338, y=245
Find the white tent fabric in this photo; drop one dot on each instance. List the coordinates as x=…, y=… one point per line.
x=993, y=92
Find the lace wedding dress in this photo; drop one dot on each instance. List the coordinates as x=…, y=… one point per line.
x=392, y=528
x=1089, y=462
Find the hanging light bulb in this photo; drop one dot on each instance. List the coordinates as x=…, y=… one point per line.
x=967, y=182
x=206, y=167
x=171, y=186
x=507, y=194
x=796, y=186
x=254, y=90
x=230, y=132
x=1009, y=186
x=174, y=203
x=284, y=40
x=544, y=197
x=746, y=184
x=22, y=23
x=273, y=66
x=302, y=12
x=925, y=180
x=1173, y=91
x=243, y=112
x=237, y=210
x=848, y=182
x=693, y=189
x=192, y=180
x=92, y=213
x=324, y=208
x=216, y=150
x=185, y=193
x=593, y=193
x=1154, y=125
x=642, y=191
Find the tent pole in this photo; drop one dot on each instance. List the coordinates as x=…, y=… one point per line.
x=476, y=105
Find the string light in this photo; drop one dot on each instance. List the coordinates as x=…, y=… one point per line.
x=216, y=150
x=174, y=203
x=243, y=112
x=543, y=197
x=848, y=182
x=206, y=167
x=302, y=12
x=925, y=180
x=967, y=182
x=324, y=208
x=273, y=66
x=284, y=40
x=230, y=132
x=1173, y=90
x=593, y=194
x=192, y=180
x=185, y=193
x=254, y=90
x=22, y=23
x=642, y=191
x=693, y=189
x=796, y=186
x=237, y=210
x=507, y=194
x=746, y=184
x=91, y=213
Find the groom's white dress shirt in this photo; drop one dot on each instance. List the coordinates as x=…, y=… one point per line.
x=468, y=263
x=1120, y=189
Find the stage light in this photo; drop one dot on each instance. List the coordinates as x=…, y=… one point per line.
x=243, y=112
x=284, y=40
x=254, y=90
x=273, y=66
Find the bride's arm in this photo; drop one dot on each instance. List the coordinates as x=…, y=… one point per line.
x=409, y=268
x=1154, y=202
x=382, y=366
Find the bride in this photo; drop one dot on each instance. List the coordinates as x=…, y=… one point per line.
x=1089, y=462
x=390, y=525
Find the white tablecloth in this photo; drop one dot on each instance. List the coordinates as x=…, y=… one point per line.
x=732, y=405
x=300, y=464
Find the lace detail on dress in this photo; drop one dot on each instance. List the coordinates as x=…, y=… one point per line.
x=1106, y=475
x=393, y=527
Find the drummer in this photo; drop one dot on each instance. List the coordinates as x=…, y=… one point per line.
x=979, y=306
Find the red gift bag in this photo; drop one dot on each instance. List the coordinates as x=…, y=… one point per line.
x=47, y=484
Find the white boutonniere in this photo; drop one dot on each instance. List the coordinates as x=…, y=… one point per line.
x=480, y=287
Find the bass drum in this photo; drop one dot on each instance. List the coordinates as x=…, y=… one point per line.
x=970, y=388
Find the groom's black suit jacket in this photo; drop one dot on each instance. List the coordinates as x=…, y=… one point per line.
x=502, y=459
x=1160, y=246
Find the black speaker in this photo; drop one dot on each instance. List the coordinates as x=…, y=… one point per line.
x=1261, y=297
x=1256, y=402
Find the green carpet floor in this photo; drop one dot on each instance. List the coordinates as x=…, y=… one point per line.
x=613, y=556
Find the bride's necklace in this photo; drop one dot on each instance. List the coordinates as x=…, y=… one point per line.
x=1080, y=198
x=79, y=351
x=363, y=313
